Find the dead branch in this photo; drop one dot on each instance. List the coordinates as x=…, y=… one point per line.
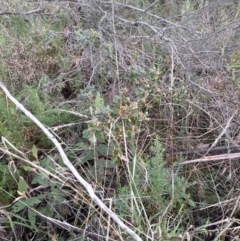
x=38, y=10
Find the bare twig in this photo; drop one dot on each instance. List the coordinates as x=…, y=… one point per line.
x=38, y=10
x=115, y=49
x=213, y=158
x=143, y=11
x=66, y=161
x=151, y=5
x=204, y=152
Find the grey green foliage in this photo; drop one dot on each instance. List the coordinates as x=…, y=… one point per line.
x=128, y=86
x=162, y=193
x=18, y=129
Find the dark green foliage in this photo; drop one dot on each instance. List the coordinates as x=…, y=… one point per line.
x=10, y=122
x=7, y=185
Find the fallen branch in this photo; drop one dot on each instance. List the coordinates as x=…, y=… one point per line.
x=66, y=161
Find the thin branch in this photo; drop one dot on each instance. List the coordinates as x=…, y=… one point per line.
x=144, y=11
x=38, y=10
x=66, y=161
x=153, y=4
x=115, y=49
x=213, y=158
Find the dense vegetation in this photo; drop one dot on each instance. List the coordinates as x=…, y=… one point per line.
x=131, y=90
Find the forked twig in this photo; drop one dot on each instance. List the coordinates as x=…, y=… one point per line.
x=224, y=130
x=70, y=166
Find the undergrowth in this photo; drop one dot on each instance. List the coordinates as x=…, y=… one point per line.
x=129, y=91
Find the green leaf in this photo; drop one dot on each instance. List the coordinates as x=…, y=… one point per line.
x=86, y=134
x=46, y=210
x=87, y=155
x=101, y=166
x=33, y=200
x=191, y=203
x=22, y=185
x=48, y=164
x=3, y=168
x=40, y=179
x=34, y=151
x=103, y=149
x=32, y=217
x=18, y=206
x=26, y=168
x=99, y=102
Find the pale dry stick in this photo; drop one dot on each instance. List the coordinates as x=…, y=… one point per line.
x=103, y=17
x=212, y=158
x=56, y=128
x=133, y=198
x=115, y=49
x=226, y=202
x=108, y=227
x=236, y=207
x=74, y=113
x=70, y=166
x=38, y=10
x=172, y=78
x=125, y=158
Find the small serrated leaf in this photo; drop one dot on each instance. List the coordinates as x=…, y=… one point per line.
x=99, y=102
